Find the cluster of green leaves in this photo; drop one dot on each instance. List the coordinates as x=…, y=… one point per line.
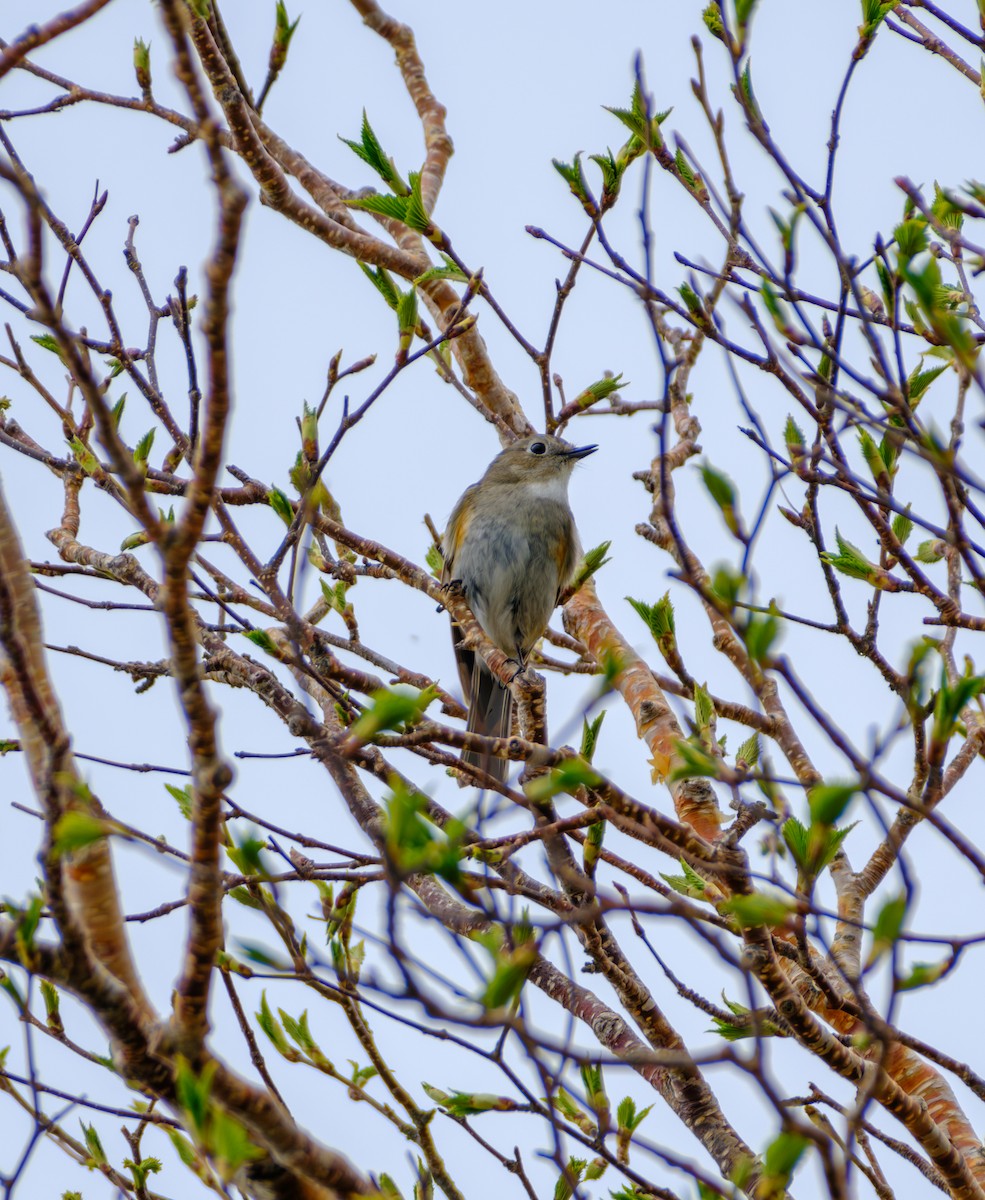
x=747, y=1023
x=567, y=778
x=577, y=1171
x=217, y=1135
x=404, y=203
x=397, y=708
x=813, y=846
x=644, y=135
x=283, y=1027
x=951, y=700
x=513, y=952
x=592, y=561
x=414, y=844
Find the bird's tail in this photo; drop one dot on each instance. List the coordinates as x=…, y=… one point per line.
x=491, y=714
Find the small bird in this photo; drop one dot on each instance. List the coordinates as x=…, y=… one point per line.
x=512, y=544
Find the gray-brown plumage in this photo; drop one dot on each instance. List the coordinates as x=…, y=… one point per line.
x=511, y=542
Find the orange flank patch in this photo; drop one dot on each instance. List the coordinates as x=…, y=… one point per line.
x=458, y=530
x=562, y=556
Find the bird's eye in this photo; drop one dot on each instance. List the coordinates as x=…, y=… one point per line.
x=538, y=448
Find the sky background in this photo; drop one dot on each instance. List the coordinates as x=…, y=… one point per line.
x=523, y=83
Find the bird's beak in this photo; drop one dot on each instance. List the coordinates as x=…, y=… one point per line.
x=581, y=452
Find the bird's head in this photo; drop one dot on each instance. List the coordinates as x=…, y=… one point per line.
x=539, y=459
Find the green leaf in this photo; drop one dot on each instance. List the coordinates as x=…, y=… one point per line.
x=684, y=170
x=636, y=119
x=590, y=736
x=260, y=637
x=760, y=634
x=888, y=926
x=574, y=177
x=873, y=13
x=794, y=437
x=924, y=974
x=75, y=830
x=434, y=561
x=911, y=239
x=47, y=341
x=680, y=885
x=594, y=837
x=568, y=777
x=704, y=710
x=758, y=909
x=812, y=848
x=281, y=505
x=627, y=1116
x=298, y=1031
x=183, y=796
x=84, y=456
x=414, y=844
x=392, y=708
x=918, y=382
x=117, y=412
x=594, y=1084
x=383, y=282
x=696, y=762
x=728, y=586
x=569, y=1179
x=931, y=551
x=902, y=526
x=140, y=1172
x=27, y=920
x=372, y=153
x=795, y=835
x=272, y=1028
x=284, y=27
x=599, y=390
x=743, y=11
x=612, y=172
x=873, y=458
x=335, y=597
x=712, y=17
x=141, y=452
x=509, y=976
x=49, y=994
x=592, y=561
x=246, y=854
x=260, y=954
x=230, y=1144
x=417, y=216
x=97, y=1155
x=944, y=209
x=184, y=1149
x=780, y=1161
x=407, y=311
x=658, y=618
x=774, y=306
x=951, y=701
x=392, y=207
x=828, y=802
x=748, y=752
x=748, y=1023
x=850, y=560
x=465, y=1104
x=746, y=89
x=449, y=270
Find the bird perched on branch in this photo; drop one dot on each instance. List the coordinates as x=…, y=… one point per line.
x=512, y=544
